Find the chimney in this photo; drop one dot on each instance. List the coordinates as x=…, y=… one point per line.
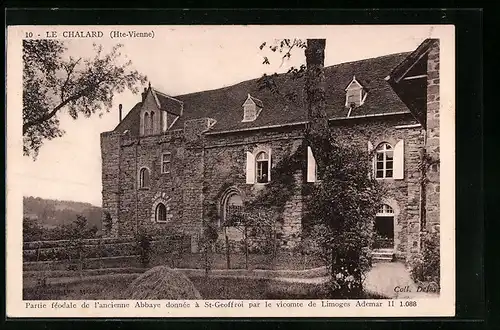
x=120, y=107
x=144, y=94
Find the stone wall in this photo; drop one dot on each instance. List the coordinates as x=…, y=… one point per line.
x=225, y=169
x=110, y=158
x=204, y=168
x=432, y=145
x=402, y=195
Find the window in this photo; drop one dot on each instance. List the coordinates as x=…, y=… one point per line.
x=144, y=178
x=258, y=166
x=165, y=163
x=233, y=206
x=353, y=96
x=384, y=161
x=262, y=164
x=251, y=108
x=161, y=213
x=147, y=124
x=153, y=123
x=385, y=210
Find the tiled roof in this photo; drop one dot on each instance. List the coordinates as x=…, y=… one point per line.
x=225, y=104
x=131, y=121
x=168, y=103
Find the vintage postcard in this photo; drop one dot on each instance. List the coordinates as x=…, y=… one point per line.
x=230, y=171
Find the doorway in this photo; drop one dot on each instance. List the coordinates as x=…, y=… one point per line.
x=384, y=228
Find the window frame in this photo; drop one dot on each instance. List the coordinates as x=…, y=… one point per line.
x=350, y=92
x=385, y=210
x=169, y=162
x=225, y=205
x=141, y=178
x=257, y=164
x=146, y=120
x=383, y=150
x=157, y=211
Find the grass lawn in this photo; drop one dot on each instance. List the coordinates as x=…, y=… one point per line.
x=112, y=287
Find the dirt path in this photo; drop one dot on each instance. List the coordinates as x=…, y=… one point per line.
x=392, y=279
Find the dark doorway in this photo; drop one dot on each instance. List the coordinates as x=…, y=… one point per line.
x=384, y=228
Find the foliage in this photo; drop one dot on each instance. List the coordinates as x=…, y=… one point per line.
x=341, y=209
x=55, y=213
x=31, y=230
x=425, y=267
x=143, y=246
x=53, y=81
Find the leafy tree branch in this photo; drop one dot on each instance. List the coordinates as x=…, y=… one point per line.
x=52, y=81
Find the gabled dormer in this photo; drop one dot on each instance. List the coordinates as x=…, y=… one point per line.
x=251, y=108
x=159, y=111
x=355, y=94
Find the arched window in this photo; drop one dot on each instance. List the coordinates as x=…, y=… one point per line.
x=161, y=213
x=262, y=165
x=147, y=124
x=384, y=227
x=384, y=161
x=153, y=124
x=232, y=207
x=385, y=210
x=144, y=178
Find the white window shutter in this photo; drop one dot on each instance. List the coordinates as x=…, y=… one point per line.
x=399, y=158
x=371, y=168
x=311, y=166
x=269, y=164
x=250, y=170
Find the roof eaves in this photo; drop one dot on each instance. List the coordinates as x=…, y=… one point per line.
x=402, y=68
x=305, y=122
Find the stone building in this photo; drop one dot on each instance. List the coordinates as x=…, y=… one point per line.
x=172, y=157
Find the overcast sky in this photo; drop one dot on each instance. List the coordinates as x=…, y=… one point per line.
x=181, y=60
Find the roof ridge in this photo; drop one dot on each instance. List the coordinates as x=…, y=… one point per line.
x=282, y=74
x=370, y=58
x=165, y=95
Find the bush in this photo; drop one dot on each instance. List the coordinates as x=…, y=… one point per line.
x=425, y=267
x=162, y=283
x=143, y=241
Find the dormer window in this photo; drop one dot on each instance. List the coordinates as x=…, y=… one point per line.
x=355, y=94
x=251, y=108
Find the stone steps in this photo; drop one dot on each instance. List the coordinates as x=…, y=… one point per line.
x=386, y=255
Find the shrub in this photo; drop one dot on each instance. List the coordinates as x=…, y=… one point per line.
x=143, y=244
x=162, y=283
x=425, y=267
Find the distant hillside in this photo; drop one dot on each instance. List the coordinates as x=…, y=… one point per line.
x=51, y=212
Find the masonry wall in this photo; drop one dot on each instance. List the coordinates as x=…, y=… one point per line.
x=202, y=169
x=225, y=168
x=110, y=159
x=137, y=205
x=402, y=195
x=432, y=145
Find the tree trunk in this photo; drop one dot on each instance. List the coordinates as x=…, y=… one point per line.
x=246, y=248
x=205, y=252
x=80, y=265
x=228, y=252
x=315, y=88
